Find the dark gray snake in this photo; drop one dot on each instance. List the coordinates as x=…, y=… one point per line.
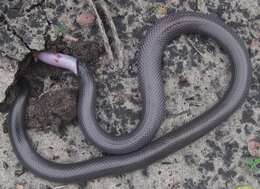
x=137, y=149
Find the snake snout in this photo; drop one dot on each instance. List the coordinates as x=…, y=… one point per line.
x=58, y=60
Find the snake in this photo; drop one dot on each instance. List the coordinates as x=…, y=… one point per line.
x=139, y=148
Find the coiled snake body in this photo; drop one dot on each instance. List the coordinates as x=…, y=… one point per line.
x=137, y=149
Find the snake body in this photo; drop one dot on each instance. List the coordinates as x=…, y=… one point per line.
x=137, y=149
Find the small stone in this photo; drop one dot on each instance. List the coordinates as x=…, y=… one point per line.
x=19, y=186
x=86, y=19
x=254, y=147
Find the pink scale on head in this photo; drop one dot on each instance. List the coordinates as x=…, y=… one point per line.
x=58, y=60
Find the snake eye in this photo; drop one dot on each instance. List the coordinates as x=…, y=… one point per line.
x=58, y=60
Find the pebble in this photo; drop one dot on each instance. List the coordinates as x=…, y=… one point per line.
x=18, y=186
x=86, y=19
x=254, y=148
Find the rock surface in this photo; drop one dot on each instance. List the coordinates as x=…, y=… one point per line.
x=196, y=74
x=8, y=68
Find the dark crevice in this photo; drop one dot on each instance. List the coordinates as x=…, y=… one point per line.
x=19, y=37
x=44, y=107
x=2, y=19
x=49, y=23
x=10, y=28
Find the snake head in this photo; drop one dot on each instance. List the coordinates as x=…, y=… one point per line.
x=58, y=59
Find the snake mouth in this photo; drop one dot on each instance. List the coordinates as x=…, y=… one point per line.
x=58, y=60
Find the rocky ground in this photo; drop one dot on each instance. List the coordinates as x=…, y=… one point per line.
x=106, y=35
